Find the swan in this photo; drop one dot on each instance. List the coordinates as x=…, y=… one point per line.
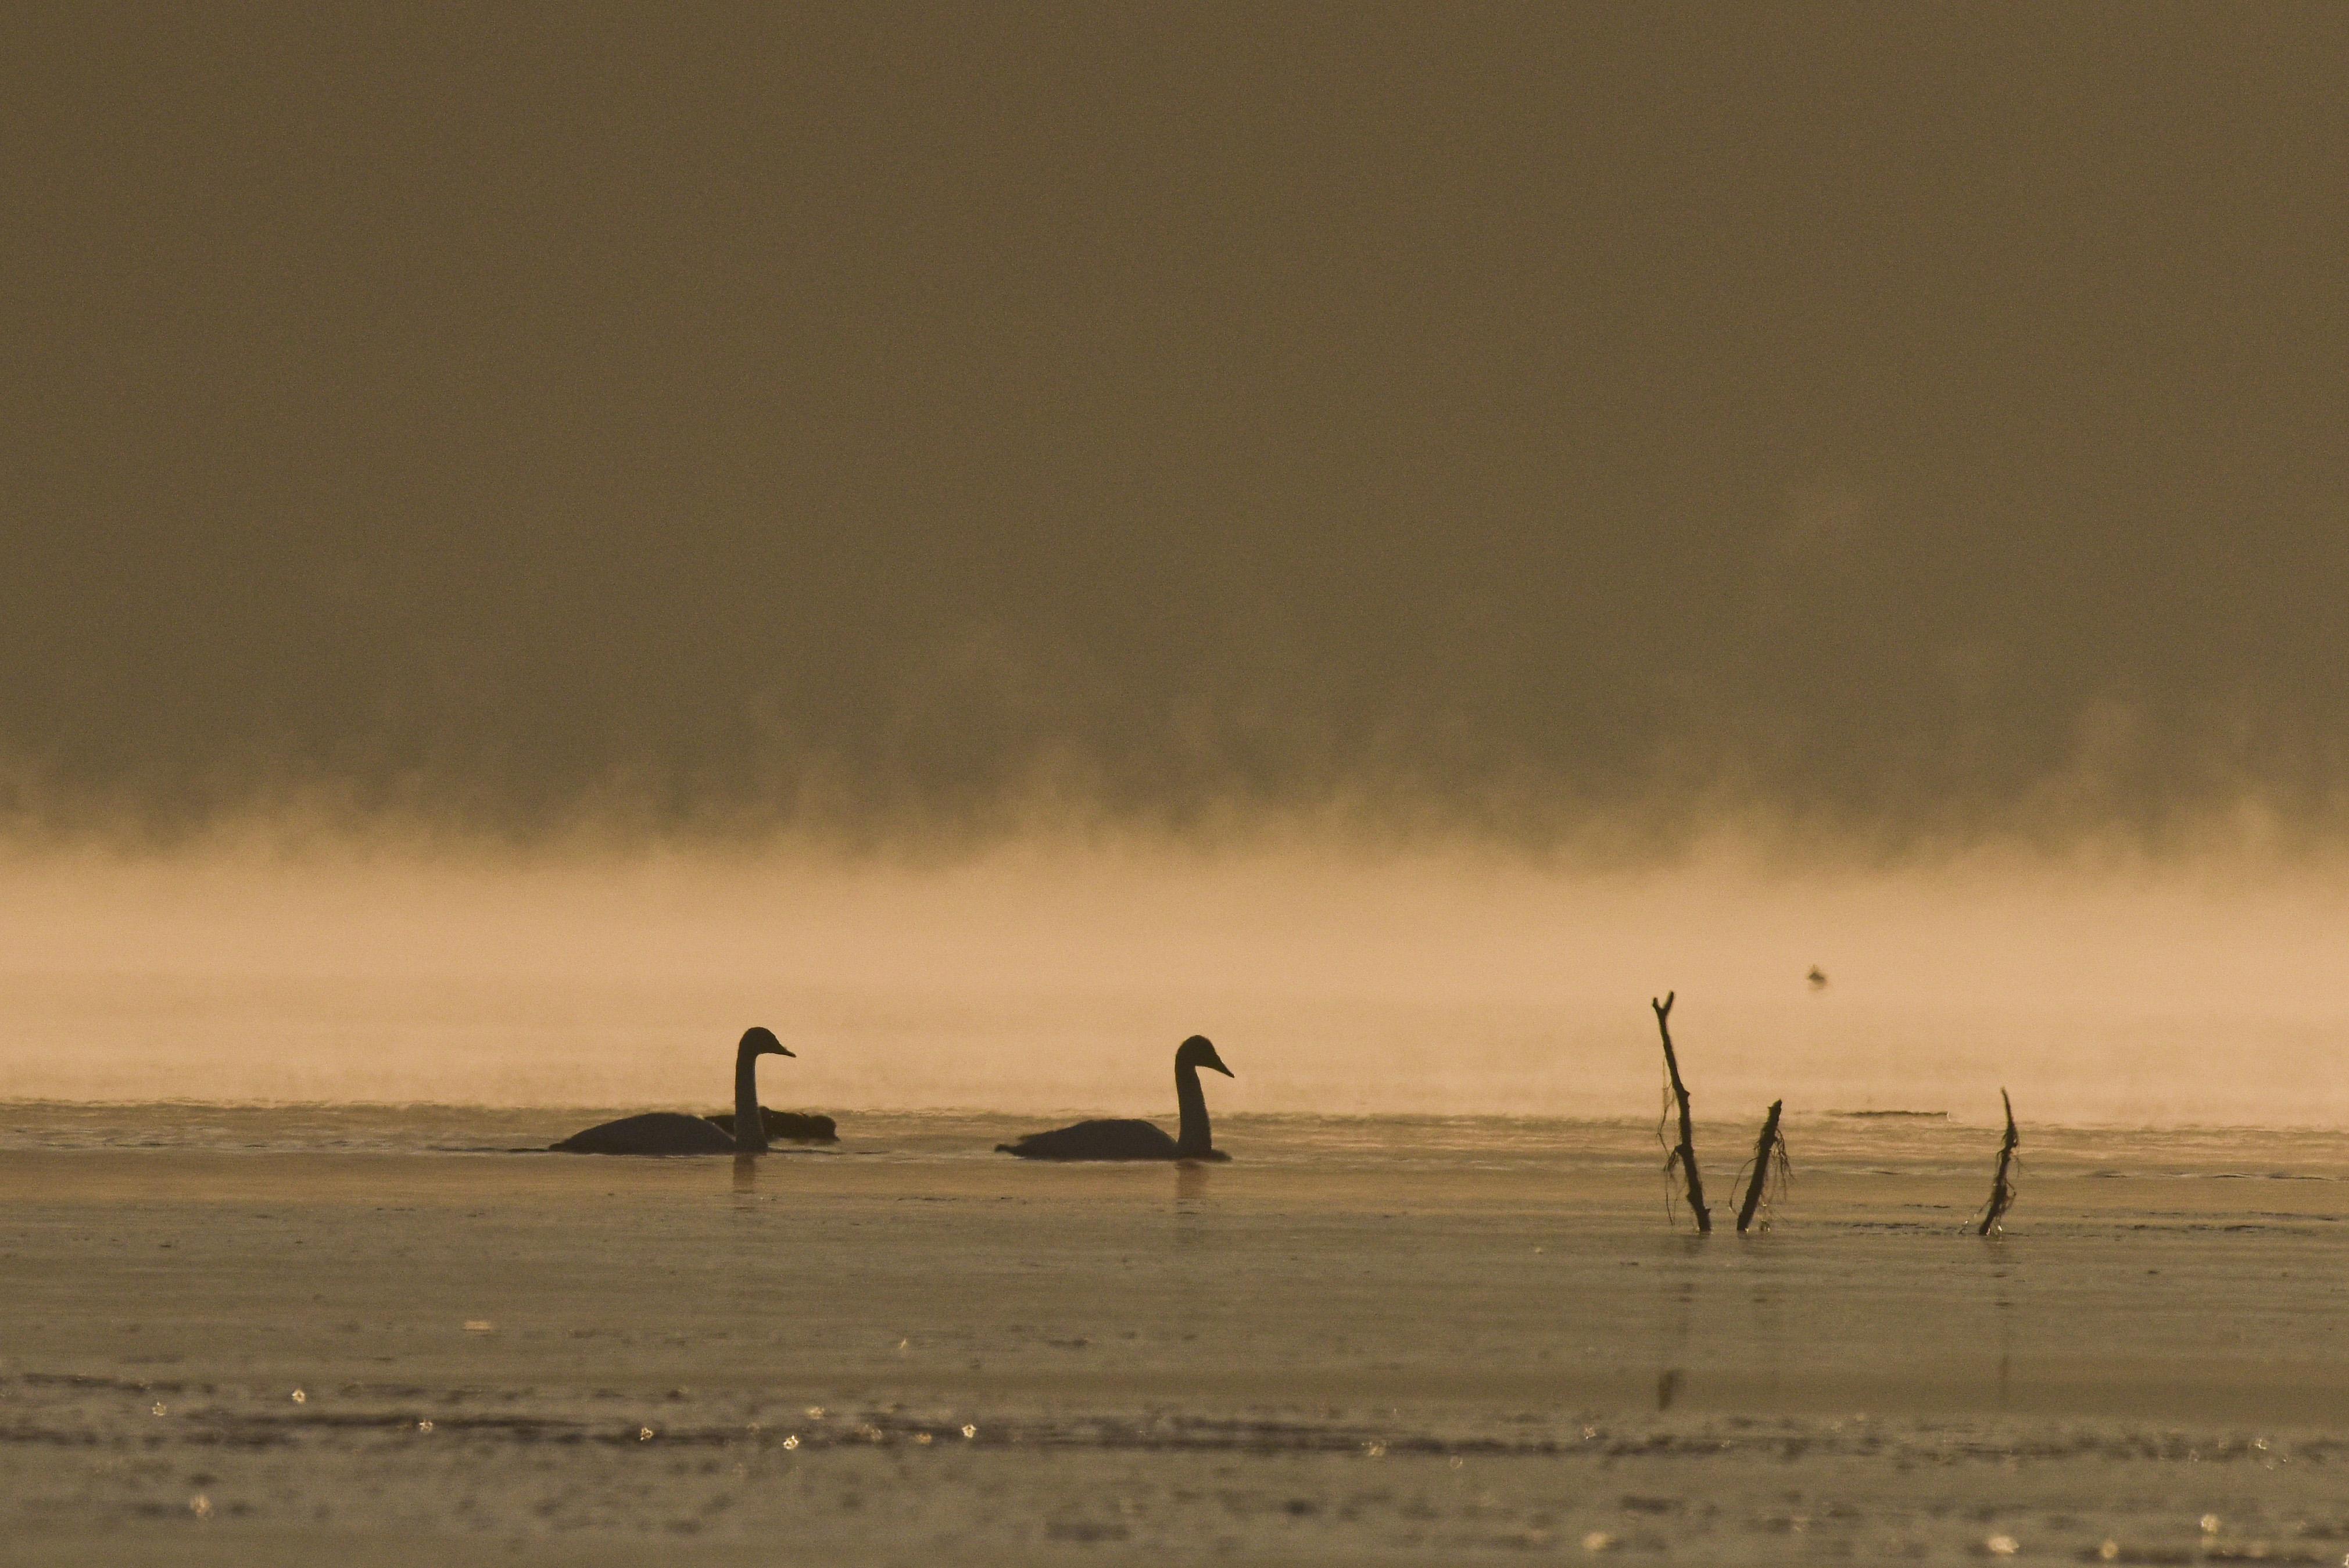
x=800, y=1126
x=673, y=1132
x=1124, y=1138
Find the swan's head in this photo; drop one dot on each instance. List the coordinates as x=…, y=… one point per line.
x=761, y=1042
x=1200, y=1052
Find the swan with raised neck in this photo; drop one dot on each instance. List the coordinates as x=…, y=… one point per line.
x=673, y=1132
x=1127, y=1138
x=750, y=1126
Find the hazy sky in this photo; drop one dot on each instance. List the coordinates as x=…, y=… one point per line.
x=1908, y=420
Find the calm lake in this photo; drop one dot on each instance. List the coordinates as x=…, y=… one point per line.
x=247, y=1333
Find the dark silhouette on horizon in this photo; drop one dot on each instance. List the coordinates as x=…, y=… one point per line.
x=675, y=1132
x=1130, y=1138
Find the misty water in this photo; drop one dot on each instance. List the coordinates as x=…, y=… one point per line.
x=989, y=539
x=378, y=1331
x=1060, y=975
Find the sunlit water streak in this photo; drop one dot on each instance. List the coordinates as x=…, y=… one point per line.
x=1836, y=1143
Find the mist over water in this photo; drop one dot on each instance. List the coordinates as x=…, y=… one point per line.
x=1061, y=976
x=990, y=542
x=990, y=539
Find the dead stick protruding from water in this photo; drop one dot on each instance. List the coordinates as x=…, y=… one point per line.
x=1770, y=1144
x=2001, y=1187
x=1685, y=1155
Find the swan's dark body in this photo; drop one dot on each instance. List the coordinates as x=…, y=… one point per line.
x=673, y=1132
x=1127, y=1138
x=654, y=1132
x=800, y=1126
x=1118, y=1138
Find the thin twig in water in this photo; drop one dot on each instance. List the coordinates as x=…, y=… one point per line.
x=1772, y=1171
x=1684, y=1157
x=2001, y=1187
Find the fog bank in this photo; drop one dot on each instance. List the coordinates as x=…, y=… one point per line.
x=1061, y=977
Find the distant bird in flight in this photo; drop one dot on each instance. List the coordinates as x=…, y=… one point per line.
x=1818, y=977
x=673, y=1132
x=1131, y=1139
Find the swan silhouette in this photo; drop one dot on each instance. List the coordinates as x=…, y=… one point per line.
x=1124, y=1138
x=673, y=1132
x=800, y=1126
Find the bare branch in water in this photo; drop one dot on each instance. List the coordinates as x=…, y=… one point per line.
x=1771, y=1170
x=2001, y=1187
x=1684, y=1157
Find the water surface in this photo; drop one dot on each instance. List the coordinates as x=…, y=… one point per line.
x=1375, y=1339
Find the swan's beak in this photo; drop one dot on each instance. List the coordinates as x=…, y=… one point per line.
x=783, y=1051
x=1219, y=1068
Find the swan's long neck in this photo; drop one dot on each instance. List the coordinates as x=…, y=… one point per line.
x=750, y=1126
x=1193, y=1139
